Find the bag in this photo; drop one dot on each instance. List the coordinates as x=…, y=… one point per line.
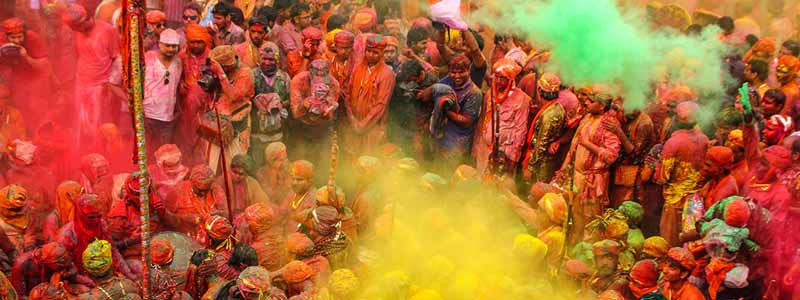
x=208, y=130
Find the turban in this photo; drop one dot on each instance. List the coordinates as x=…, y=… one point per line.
x=73, y=14
x=645, y=273
x=254, y=280
x=465, y=172
x=338, y=201
x=375, y=41
x=766, y=44
x=507, y=68
x=784, y=122
x=219, y=228
x=344, y=38
x=529, y=247
x=13, y=25
x=686, y=110
x=778, y=157
x=554, y=206
x=407, y=164
x=426, y=294
x=168, y=156
x=330, y=37
x=12, y=203
x=245, y=162
x=392, y=41
x=298, y=243
x=539, y=189
x=720, y=156
x=549, y=82
x=611, y=225
x=47, y=291
x=97, y=257
x=606, y=247
x=737, y=213
x=790, y=62
x=66, y=193
x=576, y=268
x=433, y=181
x=736, y=137
x=224, y=55
x=50, y=253
x=170, y=37
x=155, y=16
x=259, y=217
x=610, y=295
x=633, y=211
x=302, y=168
x=367, y=165
x=161, y=250
x=312, y=33
x=326, y=215
x=195, y=32
x=459, y=63
x=297, y=271
x=365, y=19
x=274, y=151
x=682, y=257
x=678, y=94
x=655, y=246
x=201, y=173
x=343, y=282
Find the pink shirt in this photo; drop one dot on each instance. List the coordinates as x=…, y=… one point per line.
x=96, y=51
x=160, y=87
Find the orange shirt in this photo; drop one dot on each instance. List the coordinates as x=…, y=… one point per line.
x=687, y=292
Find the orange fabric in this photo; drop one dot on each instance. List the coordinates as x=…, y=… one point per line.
x=155, y=16
x=161, y=251
x=259, y=217
x=219, y=228
x=66, y=193
x=297, y=272
x=13, y=25
x=737, y=213
x=12, y=202
x=298, y=243
x=195, y=32
x=715, y=275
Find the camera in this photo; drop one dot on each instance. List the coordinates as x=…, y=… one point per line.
x=208, y=81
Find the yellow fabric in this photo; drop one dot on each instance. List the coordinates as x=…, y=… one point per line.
x=343, y=282
x=531, y=248
x=684, y=184
x=97, y=257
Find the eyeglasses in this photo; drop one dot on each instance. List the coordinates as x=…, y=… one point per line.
x=190, y=17
x=166, y=77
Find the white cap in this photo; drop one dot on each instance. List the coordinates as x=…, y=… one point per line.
x=170, y=37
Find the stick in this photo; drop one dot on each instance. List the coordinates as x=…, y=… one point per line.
x=225, y=174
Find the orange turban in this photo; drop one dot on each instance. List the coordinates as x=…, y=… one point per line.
x=224, y=55
x=302, y=168
x=365, y=19
x=219, y=228
x=507, y=68
x=737, y=213
x=721, y=156
x=549, y=82
x=66, y=193
x=790, y=62
x=682, y=257
x=195, y=32
x=298, y=243
x=766, y=44
x=259, y=217
x=12, y=203
x=312, y=33
x=254, y=280
x=13, y=25
x=161, y=251
x=297, y=272
x=155, y=16
x=343, y=38
x=645, y=273
x=375, y=41
x=577, y=268
x=392, y=41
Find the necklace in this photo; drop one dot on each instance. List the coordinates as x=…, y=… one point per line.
x=296, y=203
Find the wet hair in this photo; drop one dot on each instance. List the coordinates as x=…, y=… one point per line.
x=282, y=4
x=193, y=6
x=243, y=254
x=199, y=256
x=223, y=8
x=336, y=21
x=726, y=23
x=793, y=46
x=237, y=16
x=409, y=68
x=499, y=38
x=415, y=35
x=257, y=20
x=299, y=9
x=269, y=14
x=760, y=67
x=777, y=95
x=751, y=40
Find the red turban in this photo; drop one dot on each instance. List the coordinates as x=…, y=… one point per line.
x=312, y=33
x=297, y=272
x=302, y=168
x=343, y=38
x=13, y=25
x=549, y=82
x=459, y=63
x=721, y=156
x=539, y=189
x=298, y=243
x=375, y=41
x=645, y=275
x=254, y=280
x=577, y=268
x=161, y=251
x=682, y=257
x=219, y=228
x=155, y=16
x=195, y=32
x=778, y=156
x=259, y=217
x=50, y=253
x=737, y=213
x=507, y=68
x=785, y=123
x=392, y=41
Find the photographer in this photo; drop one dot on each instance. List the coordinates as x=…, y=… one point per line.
x=236, y=88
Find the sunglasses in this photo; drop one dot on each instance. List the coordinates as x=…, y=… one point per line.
x=190, y=17
x=166, y=78
x=160, y=25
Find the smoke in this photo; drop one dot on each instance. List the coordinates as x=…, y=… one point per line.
x=597, y=43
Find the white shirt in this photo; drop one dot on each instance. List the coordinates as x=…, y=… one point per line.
x=160, y=87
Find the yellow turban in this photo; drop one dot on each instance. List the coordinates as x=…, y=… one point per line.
x=97, y=257
x=529, y=247
x=329, y=38
x=343, y=283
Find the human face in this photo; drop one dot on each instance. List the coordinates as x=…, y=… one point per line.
x=710, y=169
x=159, y=27
x=595, y=107
x=390, y=54
x=785, y=51
x=303, y=20
x=191, y=16
x=749, y=75
x=373, y=56
x=300, y=185
x=605, y=264
x=770, y=106
x=772, y=132
x=419, y=47
x=268, y=64
x=257, y=34
x=279, y=161
x=196, y=47
x=343, y=52
x=16, y=38
x=460, y=77
x=238, y=174
x=784, y=74
x=222, y=21
x=167, y=49
x=501, y=81
x=672, y=273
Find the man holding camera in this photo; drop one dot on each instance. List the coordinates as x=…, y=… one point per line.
x=236, y=87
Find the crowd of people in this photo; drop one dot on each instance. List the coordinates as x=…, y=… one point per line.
x=285, y=139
